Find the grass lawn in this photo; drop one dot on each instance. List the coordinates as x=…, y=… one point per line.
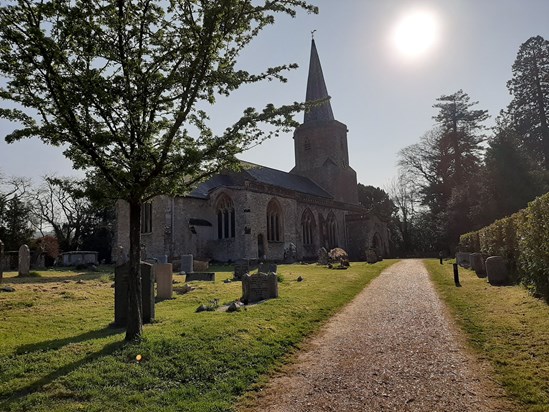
x=58, y=352
x=506, y=326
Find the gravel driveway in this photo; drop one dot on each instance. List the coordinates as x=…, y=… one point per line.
x=392, y=349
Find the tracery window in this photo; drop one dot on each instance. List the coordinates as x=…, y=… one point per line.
x=225, y=218
x=307, y=227
x=146, y=217
x=274, y=221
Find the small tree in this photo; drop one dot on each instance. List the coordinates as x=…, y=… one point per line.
x=125, y=84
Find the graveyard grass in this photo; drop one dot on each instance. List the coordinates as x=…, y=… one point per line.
x=58, y=352
x=505, y=326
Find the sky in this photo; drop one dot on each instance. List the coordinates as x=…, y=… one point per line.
x=383, y=95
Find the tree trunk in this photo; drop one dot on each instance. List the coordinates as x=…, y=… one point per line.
x=135, y=309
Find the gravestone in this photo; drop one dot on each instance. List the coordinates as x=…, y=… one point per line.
x=262, y=268
x=496, y=269
x=163, y=274
x=463, y=259
x=1, y=261
x=259, y=287
x=272, y=268
x=200, y=265
x=371, y=256
x=322, y=256
x=121, y=257
x=121, y=293
x=24, y=260
x=202, y=276
x=241, y=267
x=186, y=263
x=477, y=264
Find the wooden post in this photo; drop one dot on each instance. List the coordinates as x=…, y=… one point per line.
x=456, y=275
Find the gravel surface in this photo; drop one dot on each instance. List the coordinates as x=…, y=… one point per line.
x=393, y=348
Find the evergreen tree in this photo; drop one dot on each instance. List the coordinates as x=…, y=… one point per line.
x=529, y=108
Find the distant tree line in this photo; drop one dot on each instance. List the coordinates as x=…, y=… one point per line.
x=59, y=215
x=461, y=176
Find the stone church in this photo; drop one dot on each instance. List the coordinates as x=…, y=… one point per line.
x=263, y=213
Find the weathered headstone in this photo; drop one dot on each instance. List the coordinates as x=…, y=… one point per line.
x=371, y=256
x=121, y=257
x=463, y=259
x=241, y=267
x=121, y=293
x=322, y=256
x=259, y=287
x=24, y=260
x=477, y=264
x=262, y=268
x=186, y=263
x=163, y=273
x=1, y=260
x=202, y=276
x=496, y=269
x=200, y=265
x=272, y=268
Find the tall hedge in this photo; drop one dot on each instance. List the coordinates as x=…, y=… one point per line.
x=523, y=239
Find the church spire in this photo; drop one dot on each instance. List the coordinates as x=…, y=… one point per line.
x=316, y=90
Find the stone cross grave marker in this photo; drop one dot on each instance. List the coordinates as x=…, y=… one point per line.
x=24, y=260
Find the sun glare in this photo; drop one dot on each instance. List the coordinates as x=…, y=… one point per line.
x=416, y=33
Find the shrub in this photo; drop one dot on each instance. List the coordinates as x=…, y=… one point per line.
x=523, y=240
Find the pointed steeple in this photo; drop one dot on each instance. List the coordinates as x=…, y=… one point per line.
x=316, y=90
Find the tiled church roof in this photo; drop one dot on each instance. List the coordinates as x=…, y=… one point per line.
x=260, y=174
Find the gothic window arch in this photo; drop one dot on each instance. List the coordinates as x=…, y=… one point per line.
x=274, y=222
x=331, y=230
x=146, y=217
x=225, y=217
x=307, y=227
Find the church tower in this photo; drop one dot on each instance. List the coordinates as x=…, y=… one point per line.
x=321, y=152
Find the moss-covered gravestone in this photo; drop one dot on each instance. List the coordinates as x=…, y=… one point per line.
x=121, y=293
x=259, y=287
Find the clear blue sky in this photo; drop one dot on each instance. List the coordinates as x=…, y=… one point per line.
x=385, y=100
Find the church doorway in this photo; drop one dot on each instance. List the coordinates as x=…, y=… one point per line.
x=260, y=246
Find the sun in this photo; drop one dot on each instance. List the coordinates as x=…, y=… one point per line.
x=416, y=33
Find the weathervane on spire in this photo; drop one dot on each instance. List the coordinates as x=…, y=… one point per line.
x=313, y=34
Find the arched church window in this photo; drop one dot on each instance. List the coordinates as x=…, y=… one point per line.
x=274, y=221
x=307, y=227
x=331, y=230
x=307, y=144
x=146, y=217
x=225, y=218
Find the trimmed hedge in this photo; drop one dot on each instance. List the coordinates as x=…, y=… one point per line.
x=522, y=239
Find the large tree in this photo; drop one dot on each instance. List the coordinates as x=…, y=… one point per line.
x=529, y=108
x=125, y=85
x=15, y=212
x=446, y=163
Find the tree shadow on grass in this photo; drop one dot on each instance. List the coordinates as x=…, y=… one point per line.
x=109, y=349
x=59, y=343
x=24, y=280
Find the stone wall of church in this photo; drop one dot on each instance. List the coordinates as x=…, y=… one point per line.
x=366, y=232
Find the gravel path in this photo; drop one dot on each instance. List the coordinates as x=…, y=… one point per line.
x=392, y=349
